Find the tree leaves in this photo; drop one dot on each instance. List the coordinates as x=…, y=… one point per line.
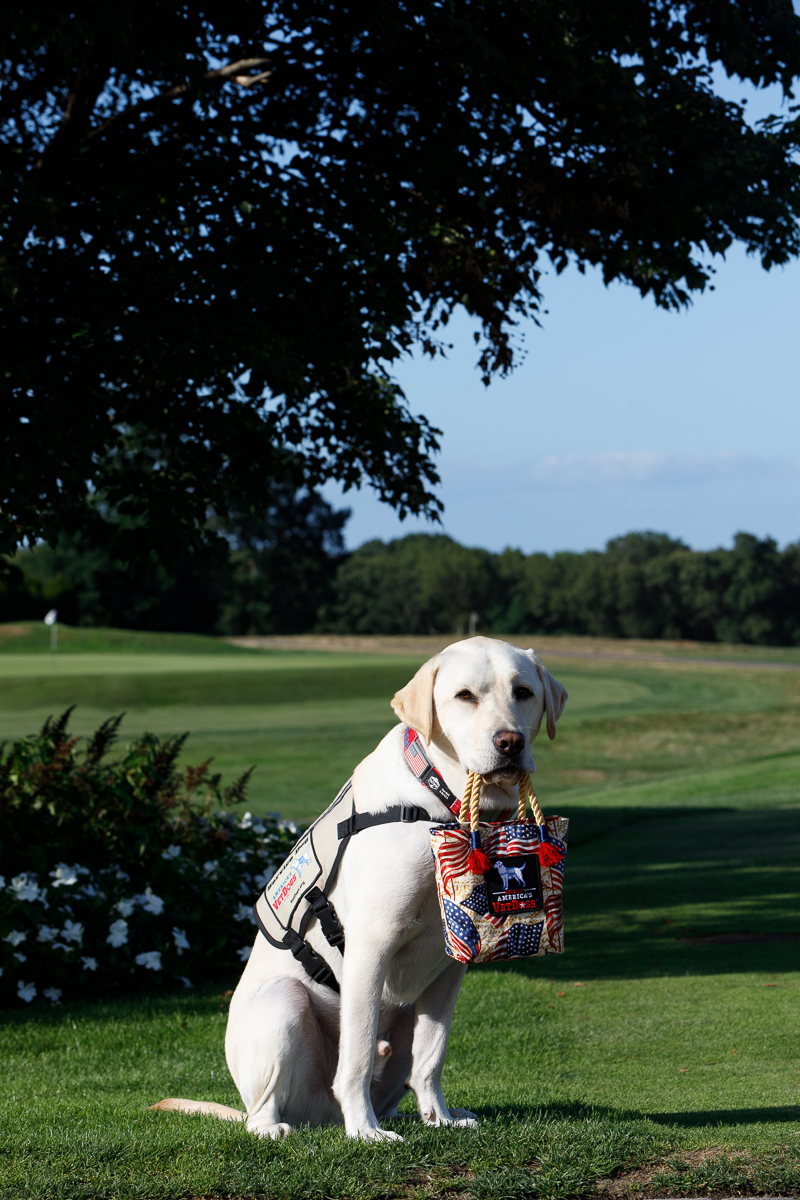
x=218, y=239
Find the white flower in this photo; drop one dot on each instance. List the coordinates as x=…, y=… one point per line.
x=2, y=881
x=52, y=994
x=263, y=879
x=25, y=887
x=287, y=826
x=241, y=856
x=246, y=821
x=186, y=982
x=151, y=960
x=89, y=964
x=151, y=903
x=171, y=852
x=259, y=828
x=245, y=953
x=26, y=991
x=62, y=946
x=21, y=957
x=16, y=937
x=243, y=912
x=118, y=934
x=122, y=876
x=210, y=868
x=46, y=934
x=125, y=907
x=64, y=876
x=91, y=891
x=72, y=932
x=179, y=938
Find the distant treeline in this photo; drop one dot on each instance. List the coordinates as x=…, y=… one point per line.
x=643, y=585
x=288, y=573
x=271, y=573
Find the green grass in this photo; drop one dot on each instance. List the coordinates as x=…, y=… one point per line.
x=33, y=637
x=657, y=1054
x=632, y=733
x=637, y=1049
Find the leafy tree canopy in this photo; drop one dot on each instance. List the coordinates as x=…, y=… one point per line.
x=223, y=223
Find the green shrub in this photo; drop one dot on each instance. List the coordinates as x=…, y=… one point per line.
x=116, y=875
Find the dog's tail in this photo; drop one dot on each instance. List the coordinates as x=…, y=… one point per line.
x=201, y=1106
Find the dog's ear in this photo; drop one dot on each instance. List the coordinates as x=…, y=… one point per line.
x=555, y=695
x=414, y=703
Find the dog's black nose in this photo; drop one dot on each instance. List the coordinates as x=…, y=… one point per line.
x=509, y=742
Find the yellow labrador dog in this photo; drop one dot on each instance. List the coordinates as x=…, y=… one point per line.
x=299, y=1052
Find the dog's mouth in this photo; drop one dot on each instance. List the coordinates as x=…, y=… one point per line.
x=507, y=774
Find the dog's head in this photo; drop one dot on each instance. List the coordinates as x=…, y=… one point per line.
x=487, y=699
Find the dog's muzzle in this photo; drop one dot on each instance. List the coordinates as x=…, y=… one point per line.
x=505, y=774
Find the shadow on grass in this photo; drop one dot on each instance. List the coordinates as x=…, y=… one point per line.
x=728, y=1116
x=575, y=1111
x=654, y=894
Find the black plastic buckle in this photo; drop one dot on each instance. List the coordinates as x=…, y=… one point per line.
x=409, y=813
x=325, y=913
x=312, y=963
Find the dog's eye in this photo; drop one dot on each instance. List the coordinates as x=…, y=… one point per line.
x=465, y=694
x=523, y=692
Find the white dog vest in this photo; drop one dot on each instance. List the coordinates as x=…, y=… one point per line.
x=299, y=889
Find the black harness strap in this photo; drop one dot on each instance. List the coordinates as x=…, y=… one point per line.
x=319, y=905
x=407, y=814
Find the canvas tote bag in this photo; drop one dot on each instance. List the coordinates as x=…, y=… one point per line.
x=500, y=883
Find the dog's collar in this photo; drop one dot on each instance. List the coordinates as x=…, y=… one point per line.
x=425, y=771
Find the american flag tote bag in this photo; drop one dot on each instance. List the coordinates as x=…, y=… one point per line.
x=500, y=885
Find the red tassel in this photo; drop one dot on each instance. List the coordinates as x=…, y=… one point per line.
x=478, y=862
x=549, y=856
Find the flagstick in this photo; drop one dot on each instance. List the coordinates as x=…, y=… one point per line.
x=51, y=619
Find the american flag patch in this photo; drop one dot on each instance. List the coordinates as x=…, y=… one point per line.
x=425, y=771
x=416, y=759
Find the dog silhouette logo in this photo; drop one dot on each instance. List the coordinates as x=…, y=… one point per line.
x=301, y=861
x=508, y=873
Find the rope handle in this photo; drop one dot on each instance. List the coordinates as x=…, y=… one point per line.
x=527, y=793
x=470, y=803
x=469, y=809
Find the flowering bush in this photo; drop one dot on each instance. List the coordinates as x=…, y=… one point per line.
x=118, y=874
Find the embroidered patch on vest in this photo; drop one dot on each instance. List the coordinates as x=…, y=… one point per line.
x=514, y=884
x=292, y=880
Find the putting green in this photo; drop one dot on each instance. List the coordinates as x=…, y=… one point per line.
x=29, y=666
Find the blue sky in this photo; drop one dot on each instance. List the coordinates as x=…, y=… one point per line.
x=620, y=417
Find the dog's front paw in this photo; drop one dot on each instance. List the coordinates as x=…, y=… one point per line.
x=463, y=1118
x=278, y=1130
x=375, y=1135
x=457, y=1117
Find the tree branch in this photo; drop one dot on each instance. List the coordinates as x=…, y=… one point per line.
x=219, y=75
x=89, y=81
